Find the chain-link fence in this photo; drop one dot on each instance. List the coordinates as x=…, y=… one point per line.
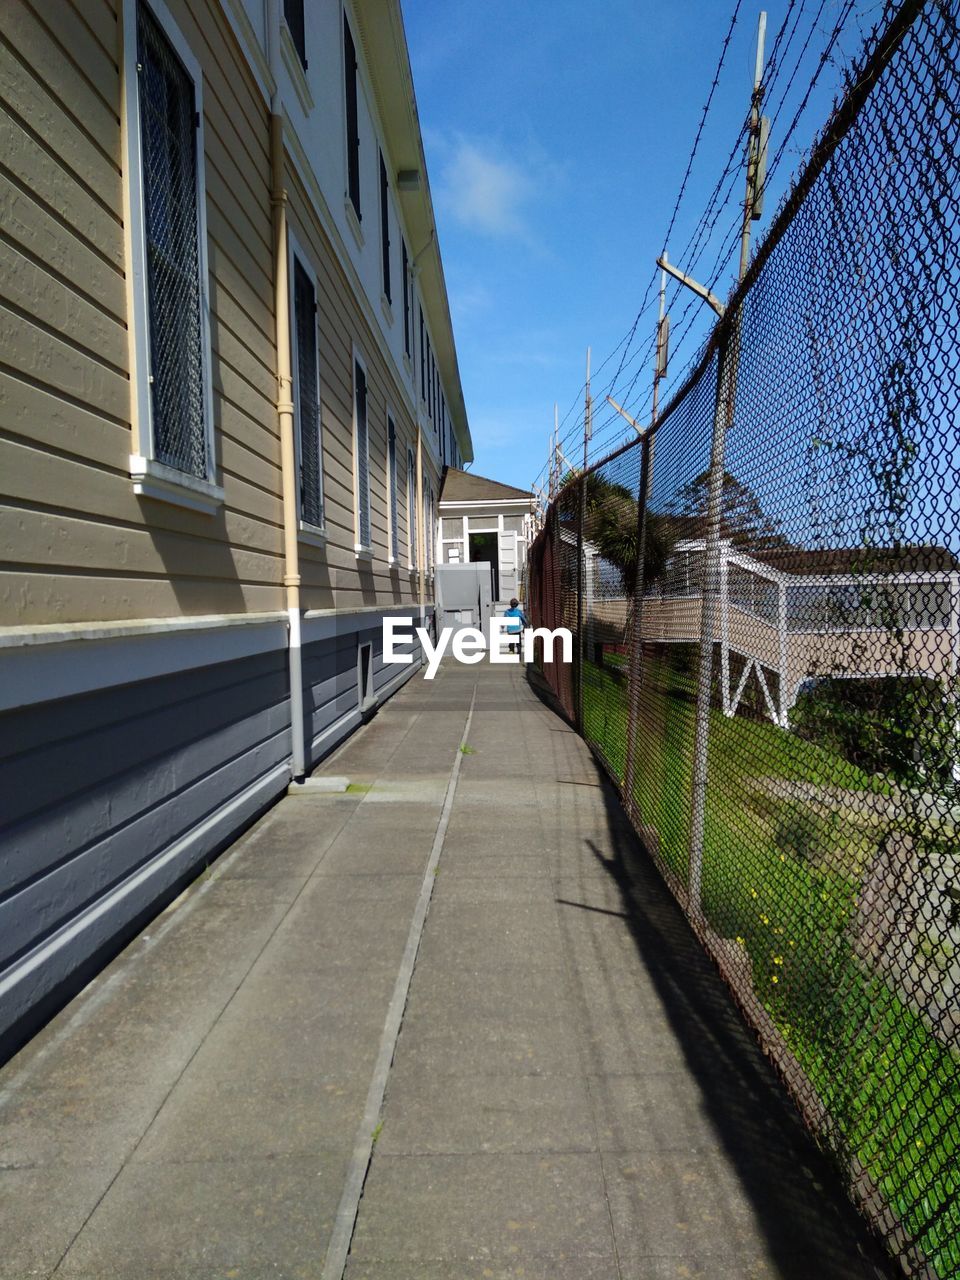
x=765, y=594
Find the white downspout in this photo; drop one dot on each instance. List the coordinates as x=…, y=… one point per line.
x=288, y=467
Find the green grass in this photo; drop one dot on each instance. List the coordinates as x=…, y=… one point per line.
x=782, y=877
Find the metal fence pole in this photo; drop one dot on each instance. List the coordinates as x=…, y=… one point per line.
x=635, y=669
x=722, y=416
x=581, y=520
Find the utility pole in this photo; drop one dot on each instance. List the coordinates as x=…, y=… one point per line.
x=581, y=523
x=728, y=353
x=663, y=343
x=756, y=152
x=587, y=415
x=555, y=453
x=647, y=438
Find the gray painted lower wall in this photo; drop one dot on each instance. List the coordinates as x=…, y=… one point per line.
x=112, y=799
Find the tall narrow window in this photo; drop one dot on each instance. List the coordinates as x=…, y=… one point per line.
x=293, y=16
x=362, y=453
x=392, y=488
x=412, y=508
x=176, y=287
x=428, y=530
x=307, y=396
x=423, y=360
x=406, y=297
x=385, y=228
x=353, y=124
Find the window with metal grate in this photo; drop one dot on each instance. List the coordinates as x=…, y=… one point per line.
x=362, y=450
x=429, y=533
x=168, y=149
x=412, y=508
x=307, y=396
x=293, y=16
x=353, y=126
x=392, y=487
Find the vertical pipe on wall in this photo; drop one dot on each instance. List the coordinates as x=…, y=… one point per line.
x=288, y=466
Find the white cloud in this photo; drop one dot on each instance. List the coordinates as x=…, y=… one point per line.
x=484, y=192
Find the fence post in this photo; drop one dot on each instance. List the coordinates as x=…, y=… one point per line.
x=722, y=417
x=581, y=520
x=635, y=667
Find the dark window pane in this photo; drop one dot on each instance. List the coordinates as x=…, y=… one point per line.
x=308, y=402
x=363, y=463
x=423, y=361
x=392, y=484
x=353, y=128
x=412, y=508
x=385, y=229
x=293, y=14
x=406, y=299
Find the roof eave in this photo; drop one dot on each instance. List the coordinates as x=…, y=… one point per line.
x=381, y=32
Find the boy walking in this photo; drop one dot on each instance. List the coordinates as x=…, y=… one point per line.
x=517, y=624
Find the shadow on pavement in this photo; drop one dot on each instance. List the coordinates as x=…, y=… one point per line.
x=811, y=1228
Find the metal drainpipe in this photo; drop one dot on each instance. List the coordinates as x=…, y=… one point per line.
x=288, y=468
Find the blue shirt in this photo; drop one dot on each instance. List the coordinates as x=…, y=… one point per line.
x=519, y=617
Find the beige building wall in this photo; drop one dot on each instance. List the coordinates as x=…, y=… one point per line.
x=78, y=545
x=335, y=576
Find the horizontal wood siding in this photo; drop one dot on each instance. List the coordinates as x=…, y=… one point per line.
x=75, y=543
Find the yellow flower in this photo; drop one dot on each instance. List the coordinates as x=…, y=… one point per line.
x=740, y=941
x=753, y=893
x=792, y=943
x=778, y=959
x=774, y=978
x=765, y=918
x=783, y=857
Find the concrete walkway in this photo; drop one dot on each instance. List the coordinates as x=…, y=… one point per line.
x=571, y=1095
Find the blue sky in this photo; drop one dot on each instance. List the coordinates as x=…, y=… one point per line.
x=557, y=135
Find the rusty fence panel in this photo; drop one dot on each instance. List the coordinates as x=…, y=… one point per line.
x=765, y=592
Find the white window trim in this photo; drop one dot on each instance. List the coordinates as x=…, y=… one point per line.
x=153, y=479
x=314, y=535
x=363, y=550
x=294, y=67
x=353, y=222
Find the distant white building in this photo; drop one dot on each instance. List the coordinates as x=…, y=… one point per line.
x=482, y=519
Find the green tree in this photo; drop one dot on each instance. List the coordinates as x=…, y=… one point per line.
x=611, y=526
x=743, y=518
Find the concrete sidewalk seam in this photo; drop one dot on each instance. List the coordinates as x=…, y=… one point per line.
x=341, y=1237
x=178, y=910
